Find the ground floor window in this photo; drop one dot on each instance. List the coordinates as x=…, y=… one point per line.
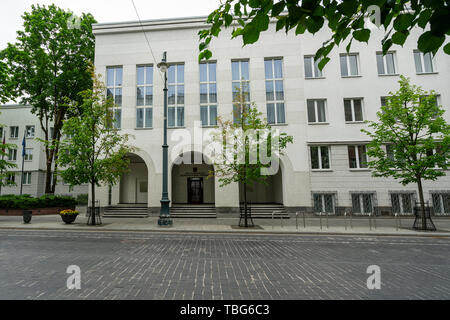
x=402, y=203
x=362, y=203
x=323, y=202
x=441, y=203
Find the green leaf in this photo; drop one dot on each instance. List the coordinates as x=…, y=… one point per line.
x=323, y=63
x=430, y=43
x=387, y=45
x=400, y=37
x=301, y=28
x=403, y=21
x=278, y=8
x=228, y=19
x=447, y=48
x=261, y=22
x=362, y=35
x=250, y=34
x=280, y=24
x=314, y=24
x=348, y=7
x=424, y=18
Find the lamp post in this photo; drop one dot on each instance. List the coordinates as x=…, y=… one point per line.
x=164, y=215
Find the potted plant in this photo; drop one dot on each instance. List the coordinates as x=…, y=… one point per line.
x=27, y=214
x=68, y=215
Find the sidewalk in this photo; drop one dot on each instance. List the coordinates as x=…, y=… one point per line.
x=336, y=225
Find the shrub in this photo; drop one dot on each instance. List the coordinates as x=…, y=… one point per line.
x=28, y=202
x=82, y=199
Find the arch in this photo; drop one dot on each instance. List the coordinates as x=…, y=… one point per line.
x=134, y=183
x=189, y=181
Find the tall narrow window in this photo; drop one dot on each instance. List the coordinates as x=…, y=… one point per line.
x=240, y=81
x=357, y=157
x=176, y=95
x=208, y=94
x=114, y=84
x=28, y=154
x=424, y=62
x=144, y=97
x=12, y=154
x=386, y=63
x=320, y=157
x=14, y=132
x=26, y=178
x=312, y=68
x=349, y=65
x=316, y=111
x=353, y=110
x=274, y=90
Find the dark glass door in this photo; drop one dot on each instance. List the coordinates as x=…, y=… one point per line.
x=195, y=190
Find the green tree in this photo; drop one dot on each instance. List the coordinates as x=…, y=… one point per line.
x=411, y=126
x=5, y=83
x=248, y=143
x=94, y=151
x=48, y=68
x=5, y=164
x=345, y=20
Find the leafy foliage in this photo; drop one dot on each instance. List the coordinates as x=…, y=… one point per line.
x=345, y=20
x=95, y=152
x=47, y=67
x=28, y=202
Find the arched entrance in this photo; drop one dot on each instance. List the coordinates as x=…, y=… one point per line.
x=190, y=182
x=134, y=183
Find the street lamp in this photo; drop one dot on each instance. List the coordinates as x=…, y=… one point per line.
x=164, y=215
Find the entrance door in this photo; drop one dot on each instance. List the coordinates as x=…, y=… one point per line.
x=141, y=190
x=195, y=190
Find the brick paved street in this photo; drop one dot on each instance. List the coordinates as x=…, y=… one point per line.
x=217, y=266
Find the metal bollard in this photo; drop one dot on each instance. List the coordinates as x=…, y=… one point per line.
x=351, y=220
x=396, y=221
x=296, y=221
x=375, y=221
x=326, y=213
x=345, y=220
x=304, y=221
x=273, y=222
x=370, y=221
x=320, y=219
x=281, y=219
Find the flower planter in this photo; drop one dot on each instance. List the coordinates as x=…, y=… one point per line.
x=27, y=214
x=68, y=218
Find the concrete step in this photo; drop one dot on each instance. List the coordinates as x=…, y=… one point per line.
x=123, y=211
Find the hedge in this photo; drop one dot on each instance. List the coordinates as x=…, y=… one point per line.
x=28, y=202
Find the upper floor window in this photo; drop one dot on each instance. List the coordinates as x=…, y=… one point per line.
x=175, y=78
x=144, y=97
x=424, y=62
x=26, y=178
x=28, y=154
x=386, y=63
x=274, y=90
x=316, y=111
x=353, y=110
x=349, y=65
x=14, y=132
x=208, y=94
x=10, y=178
x=12, y=154
x=320, y=157
x=240, y=82
x=312, y=68
x=114, y=77
x=29, y=131
x=357, y=157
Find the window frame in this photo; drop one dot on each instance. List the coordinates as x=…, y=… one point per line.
x=357, y=156
x=361, y=202
x=117, y=107
x=319, y=155
x=176, y=107
x=14, y=129
x=347, y=57
x=322, y=201
x=384, y=60
x=313, y=63
x=422, y=62
x=275, y=102
x=208, y=104
x=440, y=194
x=14, y=151
x=400, y=195
x=352, y=106
x=144, y=87
x=25, y=181
x=28, y=153
x=316, y=113
x=241, y=83
x=30, y=131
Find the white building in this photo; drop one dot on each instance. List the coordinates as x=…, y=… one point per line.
x=324, y=112
x=19, y=121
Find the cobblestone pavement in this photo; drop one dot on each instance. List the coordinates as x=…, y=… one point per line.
x=118, y=265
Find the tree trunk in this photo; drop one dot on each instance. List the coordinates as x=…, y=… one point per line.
x=93, y=203
x=422, y=203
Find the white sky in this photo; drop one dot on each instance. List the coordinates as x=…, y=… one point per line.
x=103, y=11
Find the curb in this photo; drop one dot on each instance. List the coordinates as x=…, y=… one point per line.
x=287, y=233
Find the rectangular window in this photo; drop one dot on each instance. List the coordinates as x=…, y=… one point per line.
x=312, y=68
x=29, y=131
x=114, y=84
x=14, y=132
x=362, y=203
x=386, y=63
x=144, y=96
x=240, y=81
x=402, y=203
x=28, y=154
x=208, y=94
x=353, y=110
x=323, y=202
x=316, y=111
x=274, y=90
x=11, y=178
x=12, y=154
x=441, y=203
x=357, y=157
x=424, y=62
x=320, y=157
x=26, y=178
x=349, y=65
x=175, y=79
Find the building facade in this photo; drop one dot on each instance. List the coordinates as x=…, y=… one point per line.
x=322, y=171
x=19, y=121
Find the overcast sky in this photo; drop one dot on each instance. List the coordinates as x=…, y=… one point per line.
x=103, y=11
